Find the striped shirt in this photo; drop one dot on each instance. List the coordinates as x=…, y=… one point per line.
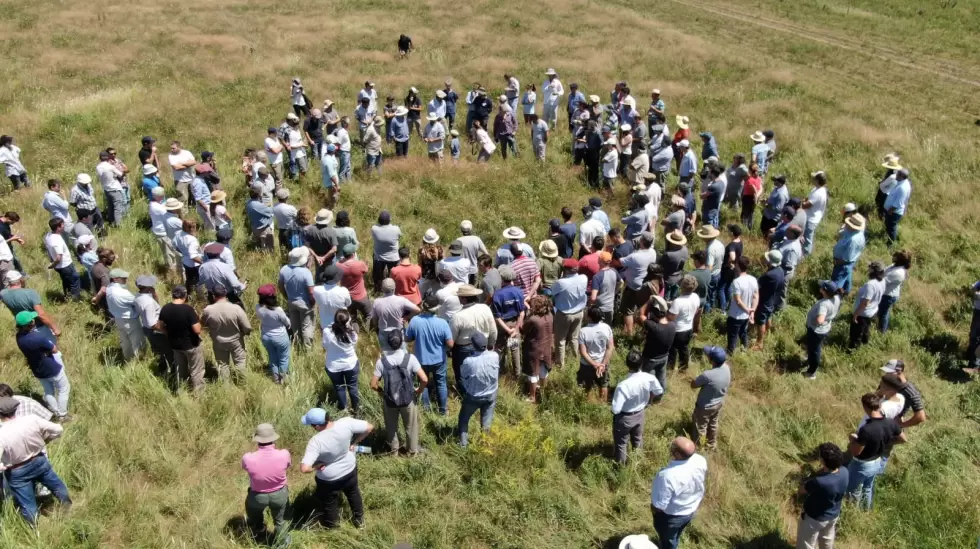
x=526, y=271
x=913, y=399
x=30, y=407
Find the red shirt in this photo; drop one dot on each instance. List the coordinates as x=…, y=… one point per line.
x=752, y=187
x=353, y=278
x=589, y=266
x=406, y=279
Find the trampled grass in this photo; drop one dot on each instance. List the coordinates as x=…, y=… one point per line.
x=149, y=469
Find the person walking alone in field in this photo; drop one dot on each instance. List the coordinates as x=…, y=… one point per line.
x=713, y=384
x=266, y=468
x=630, y=399
x=824, y=492
x=551, y=91
x=10, y=158
x=677, y=492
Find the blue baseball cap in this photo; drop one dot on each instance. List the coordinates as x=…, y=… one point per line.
x=331, y=148
x=715, y=354
x=316, y=416
x=828, y=286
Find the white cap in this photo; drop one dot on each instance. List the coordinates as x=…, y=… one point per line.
x=850, y=207
x=466, y=225
x=83, y=178
x=85, y=239
x=684, y=144
x=12, y=276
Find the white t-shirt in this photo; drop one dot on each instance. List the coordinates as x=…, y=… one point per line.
x=894, y=278
x=340, y=356
x=332, y=448
x=745, y=287
x=285, y=215
x=610, y=163
x=459, y=267
x=685, y=307
x=5, y=253
x=274, y=157
x=296, y=143
x=108, y=176
x=189, y=247
x=56, y=246
x=221, y=217
x=158, y=218
x=329, y=300
x=485, y=141
x=183, y=157
x=818, y=204
x=596, y=338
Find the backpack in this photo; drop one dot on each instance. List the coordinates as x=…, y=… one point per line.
x=399, y=391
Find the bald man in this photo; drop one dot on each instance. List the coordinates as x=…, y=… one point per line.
x=677, y=492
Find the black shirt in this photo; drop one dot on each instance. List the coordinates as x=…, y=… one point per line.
x=145, y=155
x=876, y=436
x=404, y=42
x=314, y=127
x=564, y=247
x=6, y=234
x=179, y=319
x=728, y=273
x=411, y=102
x=659, y=338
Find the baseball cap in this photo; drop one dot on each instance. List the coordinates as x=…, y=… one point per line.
x=570, y=263
x=13, y=276
x=349, y=249
x=479, y=340
x=146, y=281
x=24, y=318
x=828, y=286
x=315, y=416
x=715, y=354
x=147, y=140
x=893, y=366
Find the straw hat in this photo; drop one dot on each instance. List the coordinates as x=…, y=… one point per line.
x=430, y=236
x=548, y=249
x=655, y=91
x=401, y=111
x=683, y=122
x=855, y=222
x=173, y=204
x=218, y=196
x=708, y=232
x=892, y=164
x=440, y=94
x=467, y=290
x=594, y=99
x=676, y=238
x=550, y=72
x=758, y=137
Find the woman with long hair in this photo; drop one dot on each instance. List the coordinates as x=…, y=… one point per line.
x=219, y=212
x=340, y=346
x=430, y=254
x=275, y=332
x=751, y=193
x=537, y=332
x=895, y=276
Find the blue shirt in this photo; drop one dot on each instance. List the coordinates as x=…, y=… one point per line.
x=451, y=98
x=479, y=375
x=760, y=154
x=330, y=167
x=37, y=348
x=200, y=191
x=574, y=99
x=716, y=191
x=770, y=286
x=569, y=230
x=399, y=129
x=259, y=215
x=601, y=217
x=569, y=293
x=689, y=164
x=150, y=182
x=431, y=334
x=825, y=491
x=454, y=147
x=849, y=246
x=297, y=281
x=508, y=303
x=778, y=199
x=898, y=198
x=710, y=148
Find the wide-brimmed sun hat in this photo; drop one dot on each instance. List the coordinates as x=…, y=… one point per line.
x=149, y=169
x=551, y=72
x=265, y=433
x=401, y=111
x=173, y=204
x=758, y=137
x=299, y=256
x=218, y=196
x=855, y=222
x=514, y=233
x=548, y=249
x=708, y=232
x=323, y=217
x=891, y=164
x=676, y=238
x=430, y=236
x=432, y=117
x=683, y=122
x=467, y=290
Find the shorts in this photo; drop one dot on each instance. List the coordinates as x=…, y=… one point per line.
x=587, y=379
x=632, y=301
x=541, y=373
x=762, y=316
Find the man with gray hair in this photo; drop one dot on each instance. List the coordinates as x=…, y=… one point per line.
x=390, y=312
x=111, y=179
x=214, y=272
x=473, y=247
x=227, y=325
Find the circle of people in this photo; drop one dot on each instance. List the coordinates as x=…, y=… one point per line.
x=512, y=312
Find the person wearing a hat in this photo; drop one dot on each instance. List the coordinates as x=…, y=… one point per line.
x=121, y=304
x=301, y=107
x=147, y=309
x=182, y=326
x=17, y=298
x=815, y=206
x=896, y=204
x=824, y=491
x=81, y=196
x=435, y=137
x=551, y=92
x=713, y=384
x=372, y=146
x=472, y=247
x=451, y=98
x=331, y=457
x=688, y=165
x=260, y=219
x=150, y=180
x=683, y=133
x=181, y=161
x=454, y=147
x=549, y=265
x=399, y=131
x=23, y=447
x=657, y=112
x=514, y=235
x=778, y=199
x=888, y=182
x=458, y=265
x=848, y=249
x=202, y=202
x=743, y=305
x=45, y=361
x=433, y=341
x=228, y=326
x=630, y=399
x=215, y=272
x=475, y=316
x=148, y=152
x=866, y=305
x=819, y=321
x=913, y=397
x=637, y=541
x=330, y=296
x=673, y=259
x=165, y=223
x=760, y=152
x=771, y=288
x=296, y=283
x=60, y=256
x=437, y=106
x=677, y=492
x=295, y=143
x=414, y=105
x=343, y=150
x=266, y=468
x=479, y=375
x=610, y=163
x=392, y=379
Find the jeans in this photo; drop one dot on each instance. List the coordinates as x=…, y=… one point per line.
x=885, y=312
x=20, y=481
x=891, y=227
x=344, y=169
x=680, y=350
x=344, y=384
x=278, y=348
x=712, y=217
x=974, y=341
x=507, y=141
x=372, y=162
x=658, y=367
x=814, y=350
x=328, y=492
x=277, y=502
x=71, y=283
x=437, y=384
x=737, y=330
x=19, y=180
x=712, y=296
x=809, y=233
x=468, y=408
x=669, y=528
x=56, y=391
x=861, y=482
x=401, y=148
x=860, y=332
x=842, y=275
x=725, y=291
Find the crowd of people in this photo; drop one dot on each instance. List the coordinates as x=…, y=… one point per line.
x=516, y=312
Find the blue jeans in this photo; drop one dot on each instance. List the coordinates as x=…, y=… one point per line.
x=725, y=292
x=738, y=331
x=20, y=482
x=437, y=382
x=278, y=349
x=861, y=483
x=808, y=234
x=669, y=528
x=885, y=312
x=891, y=227
x=712, y=296
x=814, y=350
x=373, y=162
x=345, y=383
x=71, y=283
x=842, y=275
x=469, y=407
x=712, y=217
x=343, y=171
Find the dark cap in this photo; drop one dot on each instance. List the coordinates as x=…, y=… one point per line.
x=595, y=202
x=206, y=156
x=395, y=339
x=456, y=248
x=554, y=224
x=223, y=233
x=479, y=341
x=893, y=381
x=148, y=140
x=431, y=302
x=8, y=406
x=331, y=274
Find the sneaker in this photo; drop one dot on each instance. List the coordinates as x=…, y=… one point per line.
x=810, y=376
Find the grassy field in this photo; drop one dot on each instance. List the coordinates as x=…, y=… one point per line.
x=842, y=83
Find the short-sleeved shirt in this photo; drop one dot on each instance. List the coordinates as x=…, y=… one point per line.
x=703, y=276
x=508, y=303
x=430, y=334
x=657, y=338
x=331, y=447
x=827, y=308
x=389, y=311
x=714, y=385
x=55, y=245
x=20, y=299
x=491, y=282
x=386, y=242
x=770, y=286
x=873, y=290
x=913, y=399
x=179, y=318
x=894, y=277
x=604, y=282
x=266, y=468
x=685, y=307
x=745, y=287
x=329, y=300
x=320, y=239
x=406, y=279
x=716, y=256
x=596, y=338
x=728, y=272
x=37, y=347
x=876, y=436
x=395, y=359
x=569, y=294
x=297, y=281
x=824, y=494
x=716, y=191
x=818, y=204
x=353, y=278
x=673, y=263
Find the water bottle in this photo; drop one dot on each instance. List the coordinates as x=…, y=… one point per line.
x=362, y=449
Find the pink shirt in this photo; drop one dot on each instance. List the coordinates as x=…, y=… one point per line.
x=266, y=468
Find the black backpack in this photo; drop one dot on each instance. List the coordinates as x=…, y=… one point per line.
x=399, y=390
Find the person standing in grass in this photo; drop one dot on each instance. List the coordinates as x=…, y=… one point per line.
x=343, y=150
x=17, y=298
x=778, y=199
x=111, y=179
x=713, y=384
x=10, y=158
x=819, y=320
x=630, y=399
x=849, y=247
x=913, y=397
x=868, y=299
x=896, y=204
x=148, y=309
x=895, y=276
x=386, y=244
x=712, y=196
x=433, y=342
x=483, y=141
x=342, y=365
x=551, y=91
x=596, y=346
x=505, y=128
x=330, y=296
x=751, y=196
x=741, y=310
x=296, y=283
x=602, y=293
x=414, y=105
x=407, y=277
x=393, y=381
x=479, y=377
x=214, y=272
x=228, y=326
x=537, y=333
x=82, y=197
x=771, y=286
x=121, y=303
x=434, y=137
x=181, y=161
x=472, y=248
x=275, y=328
x=490, y=280
x=61, y=261
x=792, y=252
x=702, y=276
x=353, y=270
x=266, y=468
x=260, y=219
x=824, y=492
x=658, y=339
x=867, y=446
x=45, y=361
x=331, y=455
x=570, y=295
x=677, y=492
x=732, y=253
x=683, y=312
x=475, y=317
x=373, y=155
x=180, y=323
x=528, y=102
x=815, y=205
x=509, y=309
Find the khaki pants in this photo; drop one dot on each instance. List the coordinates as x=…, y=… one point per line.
x=301, y=319
x=567, y=327
x=513, y=354
x=816, y=534
x=277, y=172
x=410, y=417
x=229, y=353
x=264, y=238
x=183, y=190
x=130, y=336
x=168, y=251
x=706, y=423
x=190, y=364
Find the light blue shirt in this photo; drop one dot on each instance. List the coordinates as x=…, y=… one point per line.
x=504, y=257
x=760, y=154
x=569, y=293
x=200, y=191
x=635, y=267
x=259, y=215
x=430, y=334
x=601, y=217
x=849, y=246
x=297, y=281
x=437, y=106
x=574, y=99
x=898, y=198
x=56, y=206
x=689, y=164
x=778, y=199
x=479, y=375
x=399, y=129
x=214, y=272
x=330, y=167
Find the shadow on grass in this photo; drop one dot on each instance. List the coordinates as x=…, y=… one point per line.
x=445, y=433
x=306, y=509
x=946, y=347
x=772, y=540
x=576, y=455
